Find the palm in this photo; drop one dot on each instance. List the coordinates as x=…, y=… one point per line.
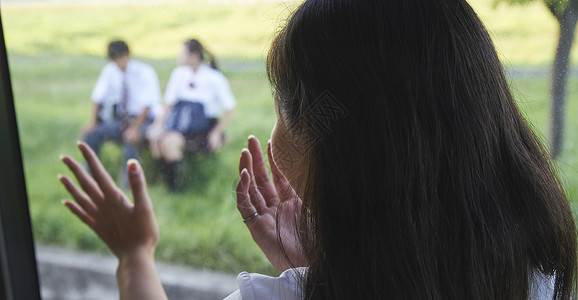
x=137, y=226
x=125, y=227
x=257, y=193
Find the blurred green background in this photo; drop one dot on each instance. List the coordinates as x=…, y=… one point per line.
x=56, y=51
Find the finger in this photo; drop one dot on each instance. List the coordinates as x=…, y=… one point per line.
x=84, y=179
x=138, y=185
x=254, y=193
x=245, y=162
x=259, y=166
x=282, y=185
x=80, y=213
x=80, y=197
x=264, y=183
x=244, y=204
x=99, y=174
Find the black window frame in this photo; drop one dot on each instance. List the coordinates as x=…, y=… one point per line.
x=18, y=269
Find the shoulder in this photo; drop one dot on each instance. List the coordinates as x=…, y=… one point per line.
x=181, y=70
x=142, y=67
x=179, y=74
x=258, y=286
x=110, y=68
x=213, y=73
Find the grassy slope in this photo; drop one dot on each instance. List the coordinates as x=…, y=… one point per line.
x=55, y=59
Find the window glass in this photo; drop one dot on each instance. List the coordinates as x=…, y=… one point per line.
x=57, y=49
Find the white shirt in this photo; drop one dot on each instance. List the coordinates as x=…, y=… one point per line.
x=253, y=286
x=288, y=286
x=142, y=86
x=206, y=86
x=541, y=286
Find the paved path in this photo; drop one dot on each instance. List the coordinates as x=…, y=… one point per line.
x=72, y=275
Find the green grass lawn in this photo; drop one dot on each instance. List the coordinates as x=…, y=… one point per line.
x=55, y=57
x=200, y=227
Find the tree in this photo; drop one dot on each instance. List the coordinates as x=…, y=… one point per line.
x=566, y=13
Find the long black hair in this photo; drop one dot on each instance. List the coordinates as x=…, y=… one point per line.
x=426, y=182
x=194, y=46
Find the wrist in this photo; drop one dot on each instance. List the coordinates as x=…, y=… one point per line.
x=135, y=258
x=137, y=277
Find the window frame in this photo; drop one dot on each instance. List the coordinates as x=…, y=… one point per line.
x=18, y=269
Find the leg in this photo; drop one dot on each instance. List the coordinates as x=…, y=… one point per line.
x=103, y=132
x=106, y=131
x=132, y=150
x=155, y=146
x=172, y=146
x=129, y=151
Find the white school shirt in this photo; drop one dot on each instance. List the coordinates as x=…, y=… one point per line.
x=142, y=88
x=287, y=286
x=206, y=86
x=253, y=286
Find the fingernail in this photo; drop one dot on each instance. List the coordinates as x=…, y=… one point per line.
x=80, y=146
x=250, y=137
x=244, y=176
x=63, y=202
x=61, y=156
x=133, y=166
x=59, y=176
